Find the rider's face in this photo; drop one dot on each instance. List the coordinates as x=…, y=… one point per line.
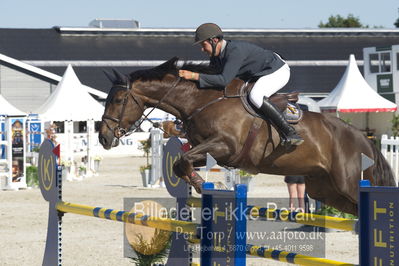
x=206, y=47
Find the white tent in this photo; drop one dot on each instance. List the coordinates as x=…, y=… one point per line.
x=8, y=109
x=354, y=95
x=355, y=100
x=70, y=101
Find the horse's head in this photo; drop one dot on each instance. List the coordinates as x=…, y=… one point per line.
x=122, y=109
x=131, y=95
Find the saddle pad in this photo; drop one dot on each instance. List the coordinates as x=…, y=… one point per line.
x=293, y=113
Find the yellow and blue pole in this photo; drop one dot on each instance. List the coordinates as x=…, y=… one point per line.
x=289, y=257
x=302, y=218
x=295, y=217
x=129, y=217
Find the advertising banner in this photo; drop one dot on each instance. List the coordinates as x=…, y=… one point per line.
x=2, y=138
x=17, y=148
x=35, y=135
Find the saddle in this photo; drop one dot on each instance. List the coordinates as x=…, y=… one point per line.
x=285, y=102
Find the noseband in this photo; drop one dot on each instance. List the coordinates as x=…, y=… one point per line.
x=118, y=130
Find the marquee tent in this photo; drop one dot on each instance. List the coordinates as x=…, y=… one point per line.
x=70, y=101
x=7, y=109
x=355, y=100
x=354, y=95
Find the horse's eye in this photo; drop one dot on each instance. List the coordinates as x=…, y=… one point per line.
x=118, y=100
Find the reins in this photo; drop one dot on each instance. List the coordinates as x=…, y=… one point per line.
x=198, y=110
x=158, y=104
x=225, y=96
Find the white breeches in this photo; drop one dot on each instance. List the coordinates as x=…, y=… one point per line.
x=269, y=84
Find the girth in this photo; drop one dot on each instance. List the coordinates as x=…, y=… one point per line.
x=243, y=156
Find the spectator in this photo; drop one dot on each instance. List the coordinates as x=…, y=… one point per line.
x=296, y=190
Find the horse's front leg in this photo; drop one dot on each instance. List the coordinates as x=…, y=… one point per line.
x=197, y=156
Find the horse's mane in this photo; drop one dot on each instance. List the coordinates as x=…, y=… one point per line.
x=204, y=68
x=156, y=73
x=170, y=67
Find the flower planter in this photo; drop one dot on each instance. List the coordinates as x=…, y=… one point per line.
x=64, y=173
x=246, y=180
x=35, y=158
x=96, y=165
x=82, y=172
x=145, y=176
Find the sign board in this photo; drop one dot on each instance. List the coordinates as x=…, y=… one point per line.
x=17, y=148
x=35, y=134
x=49, y=181
x=210, y=162
x=224, y=225
x=366, y=161
x=47, y=171
x=172, y=152
x=379, y=219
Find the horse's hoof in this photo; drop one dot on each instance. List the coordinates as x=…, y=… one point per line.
x=196, y=181
x=198, y=189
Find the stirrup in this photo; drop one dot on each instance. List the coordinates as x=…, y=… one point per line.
x=287, y=141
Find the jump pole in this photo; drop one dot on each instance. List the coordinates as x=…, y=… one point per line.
x=294, y=217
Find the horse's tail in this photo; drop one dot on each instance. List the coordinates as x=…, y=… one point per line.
x=382, y=172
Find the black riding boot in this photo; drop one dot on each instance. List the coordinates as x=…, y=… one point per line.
x=289, y=135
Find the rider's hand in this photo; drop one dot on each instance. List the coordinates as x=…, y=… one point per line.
x=188, y=75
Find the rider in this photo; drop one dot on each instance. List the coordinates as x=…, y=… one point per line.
x=245, y=61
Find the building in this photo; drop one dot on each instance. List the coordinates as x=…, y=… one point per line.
x=382, y=70
x=317, y=57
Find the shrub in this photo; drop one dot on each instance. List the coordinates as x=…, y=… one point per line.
x=32, y=177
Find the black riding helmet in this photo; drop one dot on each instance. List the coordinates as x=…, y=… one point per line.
x=207, y=31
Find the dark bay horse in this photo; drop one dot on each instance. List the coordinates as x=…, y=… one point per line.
x=329, y=157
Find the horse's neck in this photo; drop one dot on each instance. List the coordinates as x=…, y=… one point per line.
x=191, y=98
x=182, y=100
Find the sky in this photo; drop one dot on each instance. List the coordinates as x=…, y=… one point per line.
x=260, y=14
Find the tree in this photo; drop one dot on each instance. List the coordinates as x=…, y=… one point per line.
x=396, y=23
x=340, y=22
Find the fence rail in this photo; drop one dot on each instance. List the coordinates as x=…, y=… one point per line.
x=390, y=150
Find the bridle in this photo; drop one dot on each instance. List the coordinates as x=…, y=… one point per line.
x=120, y=131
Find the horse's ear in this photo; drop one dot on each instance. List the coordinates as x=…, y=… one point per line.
x=170, y=64
x=174, y=60
x=109, y=76
x=120, y=78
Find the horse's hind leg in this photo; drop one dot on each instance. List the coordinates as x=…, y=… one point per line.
x=197, y=156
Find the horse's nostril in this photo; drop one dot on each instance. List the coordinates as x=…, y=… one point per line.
x=103, y=140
